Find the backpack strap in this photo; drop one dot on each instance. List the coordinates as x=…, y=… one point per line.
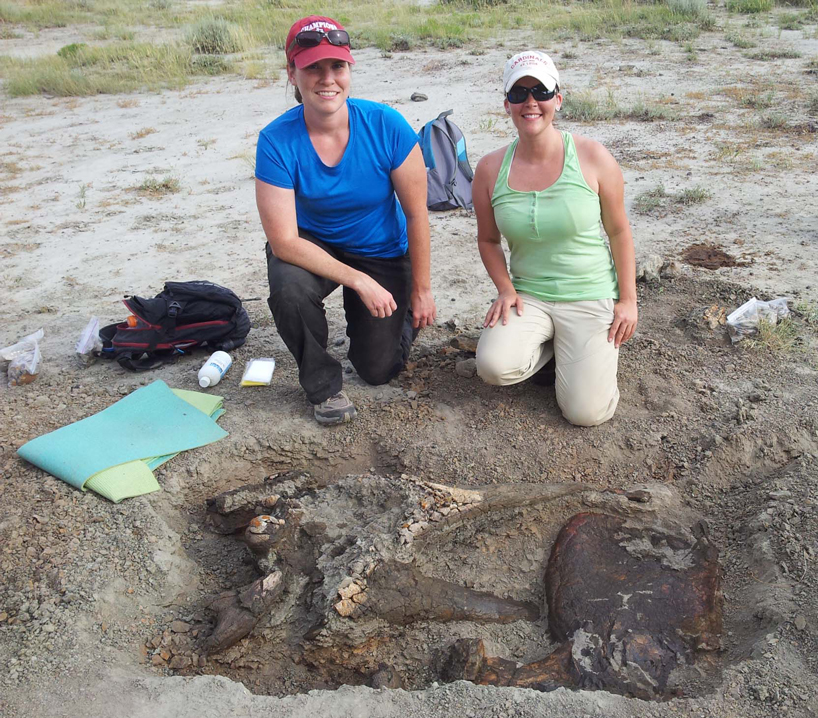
x=425, y=136
x=147, y=362
x=441, y=118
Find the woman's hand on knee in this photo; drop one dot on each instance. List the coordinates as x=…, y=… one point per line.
x=624, y=323
x=501, y=307
x=377, y=300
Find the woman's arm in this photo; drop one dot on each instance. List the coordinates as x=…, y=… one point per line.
x=276, y=206
x=488, y=240
x=409, y=181
x=615, y=221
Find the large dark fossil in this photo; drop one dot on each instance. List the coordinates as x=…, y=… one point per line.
x=631, y=593
x=629, y=604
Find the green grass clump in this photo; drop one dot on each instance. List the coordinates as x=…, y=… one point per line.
x=790, y=21
x=688, y=8
x=584, y=107
x=808, y=311
x=781, y=53
x=159, y=188
x=812, y=66
x=773, y=121
x=476, y=4
x=215, y=36
x=651, y=200
x=210, y=65
x=812, y=104
x=758, y=100
x=79, y=70
x=812, y=4
x=738, y=40
x=659, y=198
x=694, y=195
x=749, y=7
x=782, y=337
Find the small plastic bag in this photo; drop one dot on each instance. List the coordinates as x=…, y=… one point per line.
x=25, y=359
x=744, y=321
x=89, y=344
x=259, y=372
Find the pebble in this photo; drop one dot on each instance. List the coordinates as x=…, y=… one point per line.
x=466, y=368
x=419, y=97
x=800, y=622
x=179, y=627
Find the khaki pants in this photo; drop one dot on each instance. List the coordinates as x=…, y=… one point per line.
x=576, y=335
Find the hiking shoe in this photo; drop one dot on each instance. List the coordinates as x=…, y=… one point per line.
x=338, y=409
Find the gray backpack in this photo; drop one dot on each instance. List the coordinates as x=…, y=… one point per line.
x=448, y=173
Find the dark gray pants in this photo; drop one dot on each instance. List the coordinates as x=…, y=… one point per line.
x=378, y=348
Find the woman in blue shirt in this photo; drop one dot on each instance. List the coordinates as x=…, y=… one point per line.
x=341, y=190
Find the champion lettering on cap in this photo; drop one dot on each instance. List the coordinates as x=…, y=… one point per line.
x=303, y=56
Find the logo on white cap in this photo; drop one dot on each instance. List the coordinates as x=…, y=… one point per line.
x=531, y=63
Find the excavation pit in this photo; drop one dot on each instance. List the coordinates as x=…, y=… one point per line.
x=399, y=582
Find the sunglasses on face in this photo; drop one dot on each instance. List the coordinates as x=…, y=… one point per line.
x=313, y=38
x=519, y=94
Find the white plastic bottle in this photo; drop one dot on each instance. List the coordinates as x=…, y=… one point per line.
x=214, y=369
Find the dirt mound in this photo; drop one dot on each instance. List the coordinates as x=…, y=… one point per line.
x=708, y=257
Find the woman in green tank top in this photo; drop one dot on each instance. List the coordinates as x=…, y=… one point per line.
x=565, y=294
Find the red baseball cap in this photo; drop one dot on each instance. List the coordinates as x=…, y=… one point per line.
x=303, y=56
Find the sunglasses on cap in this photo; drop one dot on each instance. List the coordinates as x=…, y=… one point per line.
x=518, y=94
x=313, y=38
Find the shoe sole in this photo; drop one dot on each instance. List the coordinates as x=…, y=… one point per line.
x=345, y=418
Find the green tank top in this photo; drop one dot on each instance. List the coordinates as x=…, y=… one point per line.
x=558, y=253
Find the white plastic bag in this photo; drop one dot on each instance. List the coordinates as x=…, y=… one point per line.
x=89, y=344
x=24, y=358
x=744, y=321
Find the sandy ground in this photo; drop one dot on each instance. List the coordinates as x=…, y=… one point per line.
x=725, y=426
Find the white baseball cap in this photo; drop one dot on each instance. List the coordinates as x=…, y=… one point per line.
x=531, y=63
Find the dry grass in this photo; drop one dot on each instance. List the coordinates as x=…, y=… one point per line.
x=144, y=132
x=783, y=337
x=152, y=187
x=659, y=200
x=211, y=31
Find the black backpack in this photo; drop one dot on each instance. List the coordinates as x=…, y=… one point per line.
x=184, y=316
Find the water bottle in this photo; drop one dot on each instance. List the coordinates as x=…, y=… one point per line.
x=214, y=368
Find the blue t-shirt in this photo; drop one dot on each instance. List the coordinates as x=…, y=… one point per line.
x=352, y=205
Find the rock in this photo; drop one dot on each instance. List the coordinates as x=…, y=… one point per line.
x=648, y=268
x=178, y=662
x=671, y=270
x=466, y=368
x=761, y=692
x=465, y=343
x=419, y=97
x=158, y=661
x=179, y=627
x=800, y=622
